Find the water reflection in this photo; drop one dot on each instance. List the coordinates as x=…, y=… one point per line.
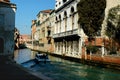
x=60, y=69
x=23, y=55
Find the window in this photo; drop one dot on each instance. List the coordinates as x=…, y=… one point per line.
x=59, y=17
x=38, y=22
x=64, y=1
x=49, y=32
x=72, y=16
x=56, y=19
x=56, y=5
x=1, y=19
x=59, y=3
x=65, y=14
x=60, y=23
x=72, y=9
x=65, y=20
x=49, y=41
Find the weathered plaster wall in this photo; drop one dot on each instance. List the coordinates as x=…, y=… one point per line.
x=7, y=29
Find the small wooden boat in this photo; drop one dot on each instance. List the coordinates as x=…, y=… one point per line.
x=41, y=58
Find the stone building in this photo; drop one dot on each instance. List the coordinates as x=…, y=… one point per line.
x=16, y=38
x=42, y=35
x=51, y=30
x=68, y=36
x=7, y=26
x=102, y=55
x=33, y=31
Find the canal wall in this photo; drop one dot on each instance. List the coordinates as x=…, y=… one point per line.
x=106, y=62
x=110, y=61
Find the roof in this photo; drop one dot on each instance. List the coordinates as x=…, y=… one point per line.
x=45, y=11
x=7, y=2
x=52, y=11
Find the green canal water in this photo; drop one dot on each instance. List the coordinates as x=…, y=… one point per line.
x=60, y=69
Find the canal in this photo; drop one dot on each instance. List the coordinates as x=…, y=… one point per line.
x=60, y=69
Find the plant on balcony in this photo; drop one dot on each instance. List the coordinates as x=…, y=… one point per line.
x=91, y=15
x=91, y=49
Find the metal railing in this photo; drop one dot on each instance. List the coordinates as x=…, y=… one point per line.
x=67, y=33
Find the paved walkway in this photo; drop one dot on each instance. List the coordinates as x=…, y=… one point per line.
x=9, y=71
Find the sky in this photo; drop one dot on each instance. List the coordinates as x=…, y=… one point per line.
x=27, y=11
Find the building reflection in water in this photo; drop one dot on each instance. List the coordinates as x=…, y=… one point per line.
x=23, y=55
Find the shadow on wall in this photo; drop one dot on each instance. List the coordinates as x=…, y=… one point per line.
x=1, y=45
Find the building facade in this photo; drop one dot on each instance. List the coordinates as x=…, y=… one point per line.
x=51, y=30
x=33, y=33
x=68, y=36
x=7, y=26
x=43, y=34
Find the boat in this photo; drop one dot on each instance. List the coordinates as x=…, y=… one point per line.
x=22, y=46
x=41, y=58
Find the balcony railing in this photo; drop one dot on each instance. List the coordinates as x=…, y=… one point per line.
x=67, y=33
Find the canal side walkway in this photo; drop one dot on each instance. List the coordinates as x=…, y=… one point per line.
x=9, y=70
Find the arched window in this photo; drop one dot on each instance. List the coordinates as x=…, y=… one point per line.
x=72, y=9
x=64, y=1
x=56, y=28
x=59, y=23
x=77, y=6
x=56, y=19
x=65, y=20
x=59, y=17
x=72, y=17
x=65, y=14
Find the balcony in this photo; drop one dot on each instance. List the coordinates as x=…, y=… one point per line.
x=65, y=34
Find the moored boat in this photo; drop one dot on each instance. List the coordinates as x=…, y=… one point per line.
x=41, y=58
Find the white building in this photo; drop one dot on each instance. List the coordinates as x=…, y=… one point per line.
x=7, y=26
x=68, y=36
